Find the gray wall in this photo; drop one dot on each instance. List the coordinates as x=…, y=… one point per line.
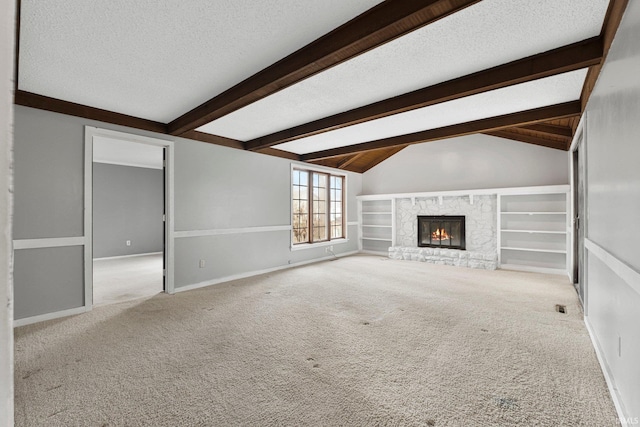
x=216, y=188
x=465, y=163
x=128, y=203
x=7, y=23
x=613, y=209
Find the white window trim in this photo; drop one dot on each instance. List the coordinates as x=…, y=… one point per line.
x=331, y=171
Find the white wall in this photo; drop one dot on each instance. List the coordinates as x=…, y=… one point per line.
x=7, y=24
x=216, y=189
x=613, y=212
x=464, y=163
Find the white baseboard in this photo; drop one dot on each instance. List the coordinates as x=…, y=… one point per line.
x=607, y=376
x=126, y=256
x=48, y=316
x=256, y=273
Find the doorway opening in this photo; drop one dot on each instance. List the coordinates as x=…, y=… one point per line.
x=127, y=211
x=578, y=189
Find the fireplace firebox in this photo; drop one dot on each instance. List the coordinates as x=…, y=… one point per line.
x=445, y=232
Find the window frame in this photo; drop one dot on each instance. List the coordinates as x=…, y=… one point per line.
x=310, y=243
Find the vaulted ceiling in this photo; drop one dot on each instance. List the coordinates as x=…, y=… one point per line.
x=340, y=83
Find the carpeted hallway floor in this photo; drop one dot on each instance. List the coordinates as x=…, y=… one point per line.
x=360, y=341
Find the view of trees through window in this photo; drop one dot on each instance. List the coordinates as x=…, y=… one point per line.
x=317, y=202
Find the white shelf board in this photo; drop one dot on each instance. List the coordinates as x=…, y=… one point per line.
x=376, y=238
x=546, y=270
x=534, y=231
x=376, y=213
x=533, y=213
x=550, y=251
x=378, y=226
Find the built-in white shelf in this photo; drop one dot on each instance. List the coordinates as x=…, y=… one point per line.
x=533, y=231
x=376, y=213
x=533, y=213
x=377, y=226
x=551, y=251
x=379, y=239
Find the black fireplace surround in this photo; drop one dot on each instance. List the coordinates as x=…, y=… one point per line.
x=445, y=232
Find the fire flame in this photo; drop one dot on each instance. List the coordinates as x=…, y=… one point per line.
x=440, y=234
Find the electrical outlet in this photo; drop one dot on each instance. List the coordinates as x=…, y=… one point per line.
x=128, y=242
x=201, y=263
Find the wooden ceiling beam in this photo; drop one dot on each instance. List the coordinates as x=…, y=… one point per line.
x=381, y=24
x=551, y=130
x=610, y=26
x=568, y=58
x=530, y=139
x=537, y=115
x=28, y=99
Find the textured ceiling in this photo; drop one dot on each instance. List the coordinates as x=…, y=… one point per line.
x=159, y=59
x=489, y=33
x=538, y=93
x=117, y=152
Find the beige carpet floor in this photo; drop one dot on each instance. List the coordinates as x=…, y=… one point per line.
x=126, y=278
x=360, y=341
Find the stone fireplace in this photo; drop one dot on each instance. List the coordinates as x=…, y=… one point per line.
x=480, y=240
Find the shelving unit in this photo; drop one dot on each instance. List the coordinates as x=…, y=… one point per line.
x=534, y=230
x=376, y=219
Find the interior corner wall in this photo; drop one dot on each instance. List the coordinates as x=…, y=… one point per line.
x=128, y=203
x=231, y=209
x=613, y=203
x=467, y=163
x=7, y=32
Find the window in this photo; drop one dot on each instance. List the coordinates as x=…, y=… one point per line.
x=317, y=206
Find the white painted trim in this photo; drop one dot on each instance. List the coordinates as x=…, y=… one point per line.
x=543, y=189
x=624, y=271
x=168, y=146
x=49, y=316
x=88, y=216
x=608, y=377
x=257, y=273
x=130, y=164
x=222, y=231
x=126, y=256
x=53, y=242
x=304, y=246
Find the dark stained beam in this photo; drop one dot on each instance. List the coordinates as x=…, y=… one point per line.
x=551, y=130
x=16, y=64
x=610, y=26
x=33, y=100
x=384, y=155
x=522, y=118
x=280, y=153
x=530, y=139
x=377, y=26
x=568, y=58
x=213, y=139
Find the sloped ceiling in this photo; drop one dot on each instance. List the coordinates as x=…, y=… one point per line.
x=341, y=83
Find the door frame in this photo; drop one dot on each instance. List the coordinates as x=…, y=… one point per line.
x=89, y=133
x=580, y=137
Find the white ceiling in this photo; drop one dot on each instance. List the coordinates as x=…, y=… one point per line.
x=538, y=93
x=490, y=33
x=159, y=59
x=117, y=152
